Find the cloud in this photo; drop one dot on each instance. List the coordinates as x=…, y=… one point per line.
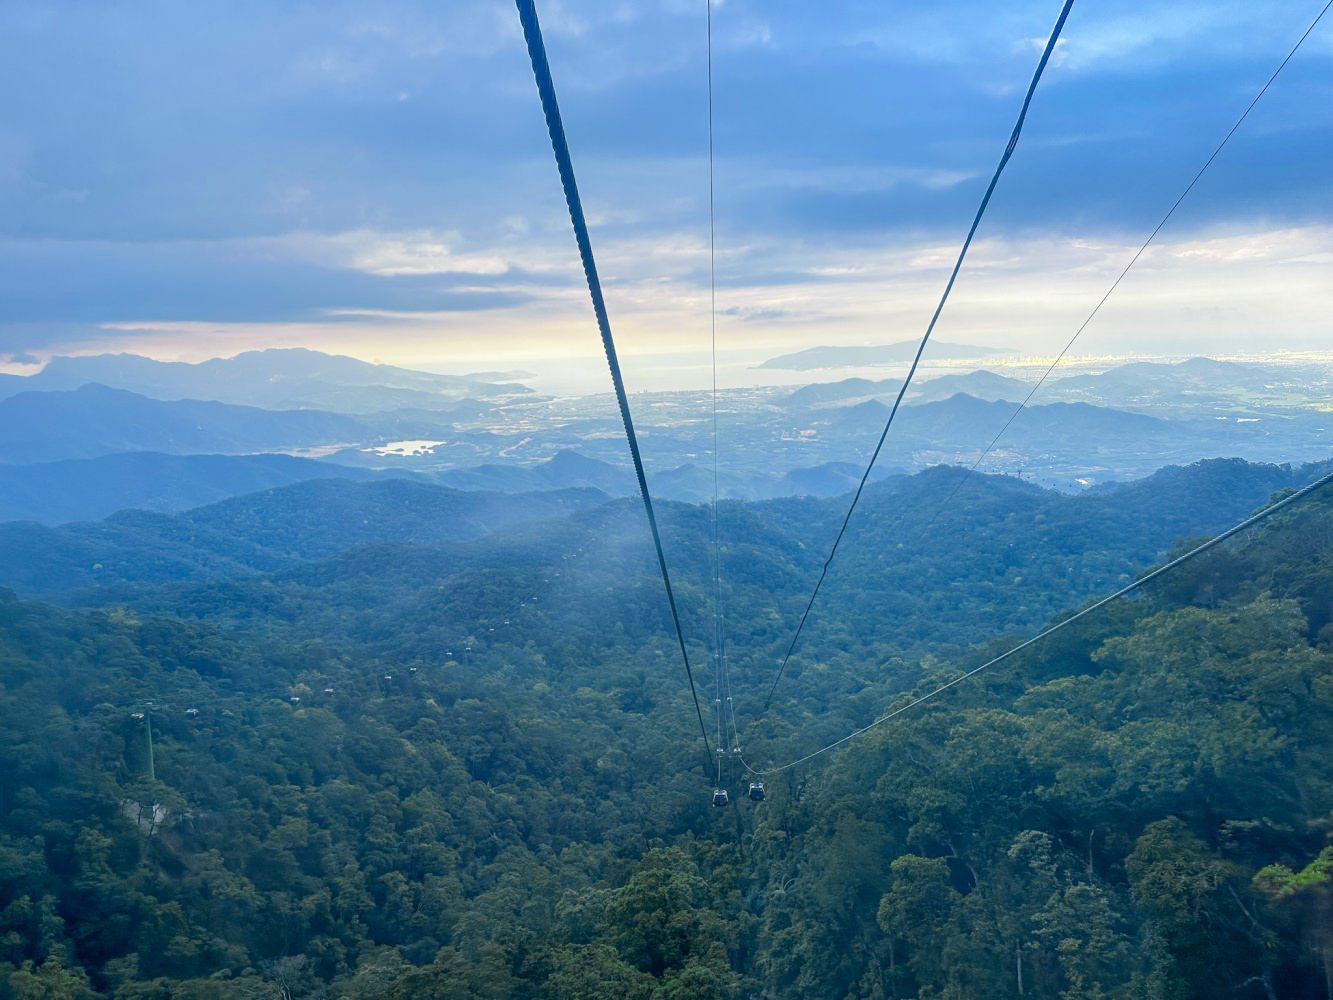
x=1207, y=291
x=280, y=186
x=385, y=254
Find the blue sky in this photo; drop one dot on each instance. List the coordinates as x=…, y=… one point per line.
x=186, y=180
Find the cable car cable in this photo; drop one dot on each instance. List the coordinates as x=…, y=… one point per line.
x=727, y=738
x=1133, y=260
x=532, y=34
x=925, y=339
x=712, y=329
x=1249, y=522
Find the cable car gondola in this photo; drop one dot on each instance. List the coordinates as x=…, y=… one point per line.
x=720, y=798
x=756, y=791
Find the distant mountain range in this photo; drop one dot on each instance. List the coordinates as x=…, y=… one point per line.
x=96, y=438
x=69, y=454
x=883, y=354
x=980, y=384
x=286, y=379
x=961, y=420
x=96, y=420
x=1189, y=386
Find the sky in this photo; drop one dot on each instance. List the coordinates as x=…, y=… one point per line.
x=192, y=180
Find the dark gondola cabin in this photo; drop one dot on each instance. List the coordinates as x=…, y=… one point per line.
x=757, y=791
x=720, y=797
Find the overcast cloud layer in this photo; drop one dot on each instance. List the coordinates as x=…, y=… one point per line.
x=192, y=179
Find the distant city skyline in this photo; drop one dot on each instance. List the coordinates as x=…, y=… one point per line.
x=189, y=182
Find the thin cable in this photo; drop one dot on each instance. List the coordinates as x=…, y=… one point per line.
x=1133, y=260
x=930, y=328
x=532, y=34
x=1249, y=522
x=712, y=326
x=728, y=738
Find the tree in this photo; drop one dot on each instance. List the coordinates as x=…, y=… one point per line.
x=1306, y=899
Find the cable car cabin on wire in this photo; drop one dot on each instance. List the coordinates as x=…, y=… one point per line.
x=721, y=798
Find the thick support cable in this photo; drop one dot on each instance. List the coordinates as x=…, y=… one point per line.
x=925, y=339
x=532, y=34
x=1199, y=550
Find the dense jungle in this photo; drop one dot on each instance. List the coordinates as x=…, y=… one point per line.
x=382, y=762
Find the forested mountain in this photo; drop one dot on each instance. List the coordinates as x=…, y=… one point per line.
x=474, y=769
x=562, y=470
x=312, y=519
x=90, y=489
x=1038, y=547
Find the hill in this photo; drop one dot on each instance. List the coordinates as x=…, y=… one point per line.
x=286, y=378
x=95, y=420
x=93, y=488
x=265, y=531
x=884, y=354
x=563, y=470
x=978, y=384
x=1039, y=547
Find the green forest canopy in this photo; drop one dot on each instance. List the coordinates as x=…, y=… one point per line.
x=348, y=801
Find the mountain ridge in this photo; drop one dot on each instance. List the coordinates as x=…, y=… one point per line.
x=880, y=354
x=275, y=378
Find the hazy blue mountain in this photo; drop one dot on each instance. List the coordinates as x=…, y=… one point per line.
x=289, y=378
x=827, y=480
x=95, y=420
x=865, y=415
x=1196, y=386
x=1194, y=373
x=564, y=469
x=691, y=482
x=883, y=354
x=694, y=483
x=317, y=518
x=823, y=393
x=963, y=420
x=962, y=414
x=979, y=384
x=263, y=531
x=93, y=488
